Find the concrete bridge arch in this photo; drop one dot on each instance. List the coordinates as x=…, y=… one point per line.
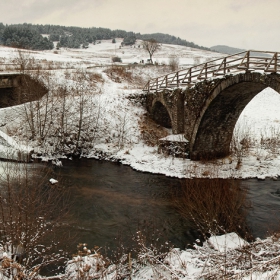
x=224, y=99
x=18, y=88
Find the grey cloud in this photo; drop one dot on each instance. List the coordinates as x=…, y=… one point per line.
x=243, y=24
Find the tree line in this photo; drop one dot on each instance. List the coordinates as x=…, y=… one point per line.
x=29, y=36
x=24, y=38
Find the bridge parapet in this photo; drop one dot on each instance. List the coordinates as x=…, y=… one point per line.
x=264, y=61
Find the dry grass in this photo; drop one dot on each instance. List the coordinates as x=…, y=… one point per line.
x=120, y=74
x=173, y=63
x=215, y=206
x=95, y=77
x=150, y=131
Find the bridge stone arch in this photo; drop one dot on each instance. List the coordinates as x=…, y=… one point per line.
x=212, y=109
x=161, y=115
x=167, y=109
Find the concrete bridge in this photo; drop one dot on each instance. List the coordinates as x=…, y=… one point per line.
x=17, y=88
x=9, y=80
x=204, y=102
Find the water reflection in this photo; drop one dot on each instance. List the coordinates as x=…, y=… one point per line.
x=264, y=217
x=112, y=200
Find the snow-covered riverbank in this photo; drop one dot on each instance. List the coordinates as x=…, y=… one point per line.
x=221, y=257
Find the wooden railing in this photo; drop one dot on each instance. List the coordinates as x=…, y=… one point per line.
x=240, y=62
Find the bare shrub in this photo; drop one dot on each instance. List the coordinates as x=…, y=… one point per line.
x=151, y=132
x=270, y=140
x=196, y=60
x=116, y=59
x=33, y=115
x=147, y=251
x=215, y=206
x=241, y=142
x=24, y=60
x=173, y=63
x=122, y=128
x=30, y=213
x=63, y=120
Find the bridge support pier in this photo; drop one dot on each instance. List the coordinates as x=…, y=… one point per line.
x=167, y=109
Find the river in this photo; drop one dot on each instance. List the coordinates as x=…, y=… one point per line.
x=112, y=202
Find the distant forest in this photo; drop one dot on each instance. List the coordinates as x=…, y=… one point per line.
x=29, y=36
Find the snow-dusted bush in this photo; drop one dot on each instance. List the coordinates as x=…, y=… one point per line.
x=116, y=59
x=221, y=257
x=173, y=63
x=30, y=212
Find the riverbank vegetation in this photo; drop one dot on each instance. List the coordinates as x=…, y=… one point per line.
x=31, y=214
x=221, y=257
x=215, y=206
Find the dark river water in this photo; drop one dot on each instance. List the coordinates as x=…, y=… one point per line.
x=111, y=202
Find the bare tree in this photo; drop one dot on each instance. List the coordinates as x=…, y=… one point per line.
x=151, y=46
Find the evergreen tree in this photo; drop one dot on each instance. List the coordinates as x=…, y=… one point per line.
x=28, y=35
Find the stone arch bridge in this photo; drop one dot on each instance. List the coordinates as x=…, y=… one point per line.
x=204, y=102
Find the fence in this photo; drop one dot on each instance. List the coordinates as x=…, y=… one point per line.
x=243, y=61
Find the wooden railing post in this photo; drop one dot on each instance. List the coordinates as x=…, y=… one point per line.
x=190, y=75
x=248, y=60
x=276, y=61
x=157, y=85
x=177, y=74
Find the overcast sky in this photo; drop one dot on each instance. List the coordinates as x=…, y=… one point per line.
x=248, y=24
